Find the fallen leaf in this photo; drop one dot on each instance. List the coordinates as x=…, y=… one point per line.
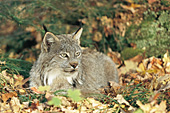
x=156, y=96
x=137, y=58
x=74, y=95
x=128, y=8
x=166, y=62
x=115, y=56
x=55, y=101
x=34, y=104
x=151, y=1
x=6, y=96
x=153, y=107
x=97, y=37
x=44, y=88
x=138, y=111
x=129, y=65
x=48, y=96
x=15, y=104
x=5, y=75
x=96, y=104
x=2, y=62
x=130, y=1
x=36, y=90
x=121, y=100
x=18, y=80
x=115, y=86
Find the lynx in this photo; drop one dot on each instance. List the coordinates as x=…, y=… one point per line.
x=62, y=64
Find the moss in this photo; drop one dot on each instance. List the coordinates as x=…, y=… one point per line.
x=153, y=33
x=130, y=52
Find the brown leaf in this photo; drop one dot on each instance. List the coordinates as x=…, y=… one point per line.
x=115, y=56
x=18, y=80
x=34, y=105
x=115, y=86
x=97, y=37
x=6, y=96
x=48, y=96
x=151, y=1
x=137, y=58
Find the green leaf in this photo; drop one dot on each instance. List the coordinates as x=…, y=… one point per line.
x=55, y=101
x=74, y=95
x=44, y=88
x=138, y=111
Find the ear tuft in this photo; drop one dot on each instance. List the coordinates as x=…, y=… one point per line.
x=77, y=34
x=48, y=40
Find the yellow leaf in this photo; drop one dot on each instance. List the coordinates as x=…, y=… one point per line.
x=129, y=65
x=44, y=88
x=166, y=62
x=141, y=68
x=21, y=91
x=97, y=37
x=152, y=107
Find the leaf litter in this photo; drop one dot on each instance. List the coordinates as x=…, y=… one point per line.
x=144, y=86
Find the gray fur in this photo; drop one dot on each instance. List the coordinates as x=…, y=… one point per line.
x=88, y=70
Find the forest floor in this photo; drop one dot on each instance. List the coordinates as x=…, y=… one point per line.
x=144, y=79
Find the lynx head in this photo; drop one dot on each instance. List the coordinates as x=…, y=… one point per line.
x=63, y=51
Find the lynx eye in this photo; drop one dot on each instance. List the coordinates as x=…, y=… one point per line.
x=77, y=54
x=63, y=55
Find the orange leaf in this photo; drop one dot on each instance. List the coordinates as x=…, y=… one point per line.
x=156, y=96
x=151, y=1
x=168, y=94
x=6, y=96
x=36, y=90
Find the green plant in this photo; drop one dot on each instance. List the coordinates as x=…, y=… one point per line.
x=153, y=33
x=128, y=53
x=16, y=66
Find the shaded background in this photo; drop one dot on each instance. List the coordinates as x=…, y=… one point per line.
x=129, y=27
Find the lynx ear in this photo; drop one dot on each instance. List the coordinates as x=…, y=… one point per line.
x=77, y=34
x=48, y=40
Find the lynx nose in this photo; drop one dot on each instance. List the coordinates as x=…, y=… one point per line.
x=73, y=64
